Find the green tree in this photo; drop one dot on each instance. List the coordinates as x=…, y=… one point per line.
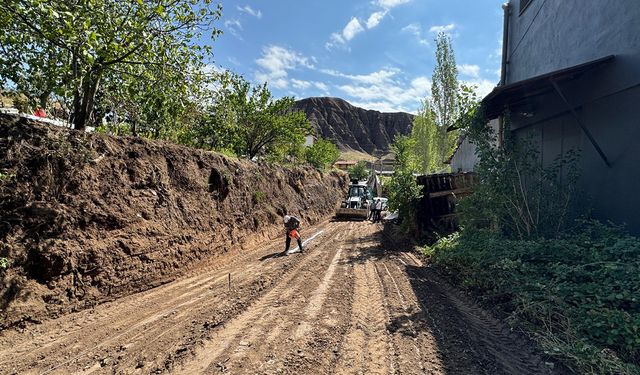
x=71, y=48
x=322, y=154
x=249, y=121
x=444, y=89
x=403, y=189
x=359, y=171
x=424, y=133
x=445, y=98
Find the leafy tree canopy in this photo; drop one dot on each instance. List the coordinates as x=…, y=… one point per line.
x=71, y=48
x=359, y=171
x=249, y=121
x=322, y=154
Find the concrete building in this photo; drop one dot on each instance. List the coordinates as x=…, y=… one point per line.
x=571, y=80
x=464, y=158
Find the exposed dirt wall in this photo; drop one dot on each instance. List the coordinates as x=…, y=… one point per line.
x=85, y=218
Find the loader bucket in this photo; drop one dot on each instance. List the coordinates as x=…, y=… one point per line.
x=352, y=214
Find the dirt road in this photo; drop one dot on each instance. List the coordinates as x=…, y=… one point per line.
x=346, y=306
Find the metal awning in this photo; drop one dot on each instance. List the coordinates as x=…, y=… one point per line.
x=518, y=92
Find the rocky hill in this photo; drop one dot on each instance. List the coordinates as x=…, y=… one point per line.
x=353, y=128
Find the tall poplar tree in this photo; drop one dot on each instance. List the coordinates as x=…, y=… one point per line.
x=444, y=93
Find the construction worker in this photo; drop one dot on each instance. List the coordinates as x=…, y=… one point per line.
x=292, y=229
x=40, y=112
x=378, y=211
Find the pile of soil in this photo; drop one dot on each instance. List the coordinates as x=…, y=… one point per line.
x=86, y=218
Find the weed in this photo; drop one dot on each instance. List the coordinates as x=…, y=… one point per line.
x=6, y=177
x=258, y=196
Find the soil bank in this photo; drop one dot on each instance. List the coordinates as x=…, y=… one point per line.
x=87, y=218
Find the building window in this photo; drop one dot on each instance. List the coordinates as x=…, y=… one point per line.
x=524, y=4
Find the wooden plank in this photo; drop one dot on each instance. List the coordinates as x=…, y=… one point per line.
x=450, y=192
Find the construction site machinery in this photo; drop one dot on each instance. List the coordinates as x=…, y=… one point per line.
x=358, y=202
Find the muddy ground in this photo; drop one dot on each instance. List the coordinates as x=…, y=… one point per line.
x=348, y=305
x=90, y=218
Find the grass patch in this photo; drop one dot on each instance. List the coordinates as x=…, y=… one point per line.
x=577, y=295
x=258, y=196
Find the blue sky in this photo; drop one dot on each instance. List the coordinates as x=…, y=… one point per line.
x=376, y=54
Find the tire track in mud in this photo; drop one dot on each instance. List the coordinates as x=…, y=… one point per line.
x=491, y=341
x=366, y=346
x=131, y=321
x=416, y=350
x=246, y=339
x=347, y=306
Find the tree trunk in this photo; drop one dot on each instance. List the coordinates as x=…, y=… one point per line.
x=43, y=99
x=84, y=109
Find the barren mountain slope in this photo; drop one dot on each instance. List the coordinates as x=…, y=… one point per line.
x=353, y=128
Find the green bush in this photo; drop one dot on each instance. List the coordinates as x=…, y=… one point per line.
x=516, y=195
x=4, y=263
x=322, y=154
x=579, y=294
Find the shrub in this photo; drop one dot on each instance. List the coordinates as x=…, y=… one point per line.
x=515, y=195
x=579, y=294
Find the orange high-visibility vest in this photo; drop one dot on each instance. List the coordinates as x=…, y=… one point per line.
x=294, y=234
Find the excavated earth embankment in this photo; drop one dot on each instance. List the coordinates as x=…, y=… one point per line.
x=87, y=218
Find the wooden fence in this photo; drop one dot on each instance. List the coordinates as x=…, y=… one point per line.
x=437, y=209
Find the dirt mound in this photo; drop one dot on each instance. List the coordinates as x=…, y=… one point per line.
x=85, y=218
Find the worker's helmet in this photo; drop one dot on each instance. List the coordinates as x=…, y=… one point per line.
x=286, y=218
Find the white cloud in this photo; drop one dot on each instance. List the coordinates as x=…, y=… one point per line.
x=355, y=27
x=375, y=78
x=233, y=61
x=375, y=18
x=321, y=86
x=275, y=63
x=298, y=84
x=234, y=27
x=233, y=23
x=352, y=29
x=416, y=31
x=247, y=9
x=305, y=85
x=482, y=86
x=442, y=28
x=496, y=55
x=213, y=68
x=383, y=90
x=469, y=70
x=388, y=4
